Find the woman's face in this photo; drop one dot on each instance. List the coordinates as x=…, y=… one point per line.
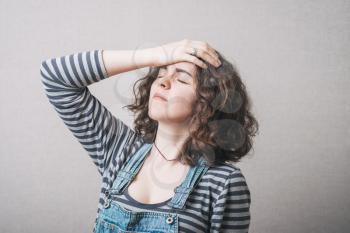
x=177, y=83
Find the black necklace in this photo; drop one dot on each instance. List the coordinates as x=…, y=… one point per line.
x=162, y=153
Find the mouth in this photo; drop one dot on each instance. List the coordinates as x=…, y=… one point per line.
x=157, y=97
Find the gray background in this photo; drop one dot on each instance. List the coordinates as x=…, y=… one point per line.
x=292, y=55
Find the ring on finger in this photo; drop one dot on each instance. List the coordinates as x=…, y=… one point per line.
x=194, y=53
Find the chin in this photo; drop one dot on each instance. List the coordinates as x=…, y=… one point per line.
x=157, y=115
x=164, y=118
x=162, y=114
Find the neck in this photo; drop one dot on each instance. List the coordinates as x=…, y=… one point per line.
x=169, y=139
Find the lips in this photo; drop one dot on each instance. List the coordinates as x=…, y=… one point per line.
x=160, y=96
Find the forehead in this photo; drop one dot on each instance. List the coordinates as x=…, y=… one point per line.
x=187, y=66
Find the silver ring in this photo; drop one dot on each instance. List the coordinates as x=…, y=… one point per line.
x=194, y=53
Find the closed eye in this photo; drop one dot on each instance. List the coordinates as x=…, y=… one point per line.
x=178, y=79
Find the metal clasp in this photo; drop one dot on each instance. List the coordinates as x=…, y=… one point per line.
x=106, y=204
x=170, y=219
x=107, y=200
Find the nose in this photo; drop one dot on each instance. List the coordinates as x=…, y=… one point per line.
x=166, y=79
x=164, y=82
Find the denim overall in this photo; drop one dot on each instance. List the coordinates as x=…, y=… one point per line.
x=114, y=218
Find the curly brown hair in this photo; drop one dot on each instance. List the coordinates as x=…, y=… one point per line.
x=221, y=124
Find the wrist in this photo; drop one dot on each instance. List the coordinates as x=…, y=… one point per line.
x=147, y=57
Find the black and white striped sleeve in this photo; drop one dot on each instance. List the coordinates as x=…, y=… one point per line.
x=231, y=211
x=65, y=81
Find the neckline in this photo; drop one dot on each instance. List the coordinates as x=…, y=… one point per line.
x=147, y=205
x=140, y=204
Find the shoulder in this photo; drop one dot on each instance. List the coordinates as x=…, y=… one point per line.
x=224, y=171
x=225, y=178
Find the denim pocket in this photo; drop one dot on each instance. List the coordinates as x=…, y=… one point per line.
x=104, y=226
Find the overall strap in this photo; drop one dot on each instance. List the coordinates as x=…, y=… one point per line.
x=130, y=169
x=183, y=191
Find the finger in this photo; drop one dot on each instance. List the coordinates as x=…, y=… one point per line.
x=207, y=56
x=211, y=52
x=205, y=46
x=196, y=61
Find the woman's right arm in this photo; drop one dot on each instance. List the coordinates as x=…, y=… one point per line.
x=66, y=80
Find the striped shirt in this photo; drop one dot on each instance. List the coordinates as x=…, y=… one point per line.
x=219, y=202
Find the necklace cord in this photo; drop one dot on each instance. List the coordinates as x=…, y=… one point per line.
x=154, y=142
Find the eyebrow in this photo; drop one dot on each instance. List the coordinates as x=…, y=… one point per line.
x=178, y=70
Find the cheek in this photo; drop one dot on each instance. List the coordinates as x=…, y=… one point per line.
x=181, y=103
x=152, y=90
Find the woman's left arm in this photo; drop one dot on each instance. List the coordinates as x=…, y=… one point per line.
x=231, y=211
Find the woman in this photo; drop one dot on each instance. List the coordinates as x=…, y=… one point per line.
x=172, y=173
